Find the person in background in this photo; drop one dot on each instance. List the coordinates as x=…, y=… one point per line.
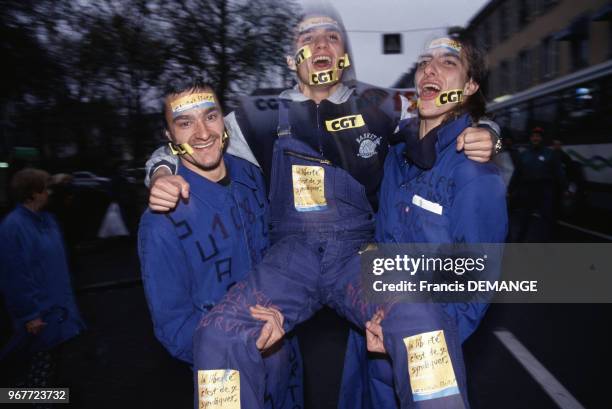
x=537, y=177
x=35, y=282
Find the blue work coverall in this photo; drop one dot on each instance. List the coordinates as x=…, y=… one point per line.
x=320, y=217
x=35, y=281
x=191, y=257
x=472, y=197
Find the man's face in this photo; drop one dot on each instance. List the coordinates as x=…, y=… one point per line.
x=194, y=117
x=536, y=139
x=441, y=78
x=326, y=46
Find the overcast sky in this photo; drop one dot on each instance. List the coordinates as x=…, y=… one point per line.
x=393, y=16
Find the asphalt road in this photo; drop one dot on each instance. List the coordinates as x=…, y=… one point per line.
x=119, y=364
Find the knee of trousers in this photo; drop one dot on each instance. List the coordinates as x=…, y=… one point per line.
x=215, y=347
x=406, y=319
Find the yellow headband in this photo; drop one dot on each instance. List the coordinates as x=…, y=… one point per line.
x=192, y=101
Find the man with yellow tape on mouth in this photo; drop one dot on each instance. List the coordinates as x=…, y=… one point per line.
x=191, y=257
x=325, y=151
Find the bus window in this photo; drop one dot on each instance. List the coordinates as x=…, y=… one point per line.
x=519, y=116
x=582, y=119
x=545, y=112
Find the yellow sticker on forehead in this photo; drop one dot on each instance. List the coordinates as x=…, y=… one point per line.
x=449, y=44
x=452, y=96
x=302, y=54
x=191, y=101
x=315, y=22
x=324, y=77
x=218, y=389
x=429, y=366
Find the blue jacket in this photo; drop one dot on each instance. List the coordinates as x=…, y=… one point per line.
x=34, y=279
x=456, y=201
x=190, y=257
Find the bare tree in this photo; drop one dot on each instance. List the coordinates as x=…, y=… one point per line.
x=235, y=44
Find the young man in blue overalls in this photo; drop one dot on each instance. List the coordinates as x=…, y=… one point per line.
x=190, y=258
x=433, y=194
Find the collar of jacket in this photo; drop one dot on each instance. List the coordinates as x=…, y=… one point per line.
x=424, y=152
x=340, y=96
x=204, y=188
x=38, y=216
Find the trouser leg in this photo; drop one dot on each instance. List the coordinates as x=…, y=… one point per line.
x=225, y=339
x=421, y=332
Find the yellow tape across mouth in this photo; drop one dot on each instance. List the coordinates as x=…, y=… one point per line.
x=324, y=77
x=452, y=96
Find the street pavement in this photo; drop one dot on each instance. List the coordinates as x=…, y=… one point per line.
x=118, y=363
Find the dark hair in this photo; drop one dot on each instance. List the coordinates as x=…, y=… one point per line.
x=180, y=83
x=26, y=182
x=476, y=104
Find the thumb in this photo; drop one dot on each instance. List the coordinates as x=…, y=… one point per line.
x=460, y=142
x=266, y=331
x=184, y=190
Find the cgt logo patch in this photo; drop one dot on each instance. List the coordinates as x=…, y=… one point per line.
x=324, y=77
x=368, y=145
x=302, y=54
x=346, y=122
x=449, y=97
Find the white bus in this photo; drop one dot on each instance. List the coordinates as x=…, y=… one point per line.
x=575, y=109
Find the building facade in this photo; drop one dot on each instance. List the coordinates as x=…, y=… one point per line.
x=529, y=42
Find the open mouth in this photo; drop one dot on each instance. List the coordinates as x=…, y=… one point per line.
x=203, y=145
x=322, y=62
x=429, y=90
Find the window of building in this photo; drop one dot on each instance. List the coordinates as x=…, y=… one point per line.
x=609, y=38
x=523, y=13
x=518, y=122
x=502, y=13
x=579, y=41
x=487, y=41
x=542, y=6
x=548, y=58
x=523, y=70
x=504, y=78
x=492, y=90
